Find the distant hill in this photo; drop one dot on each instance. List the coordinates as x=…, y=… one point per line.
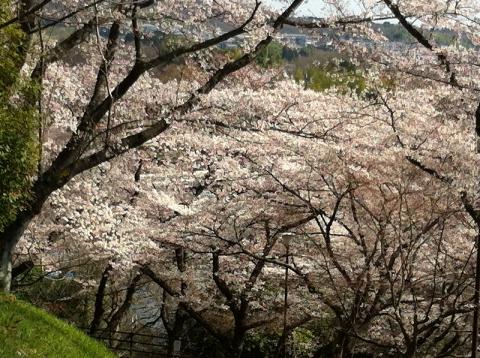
x=442, y=37
x=395, y=32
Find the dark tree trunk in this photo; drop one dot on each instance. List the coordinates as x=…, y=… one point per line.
x=99, y=309
x=5, y=268
x=12, y=233
x=236, y=346
x=8, y=240
x=338, y=348
x=170, y=346
x=476, y=299
x=176, y=331
x=411, y=351
x=341, y=346
x=280, y=351
x=120, y=312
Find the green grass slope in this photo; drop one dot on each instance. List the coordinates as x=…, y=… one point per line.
x=26, y=331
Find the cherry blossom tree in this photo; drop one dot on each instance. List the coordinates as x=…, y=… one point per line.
x=429, y=65
x=114, y=68
x=379, y=189
x=453, y=66
x=376, y=241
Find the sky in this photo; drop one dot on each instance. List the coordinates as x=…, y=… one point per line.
x=308, y=8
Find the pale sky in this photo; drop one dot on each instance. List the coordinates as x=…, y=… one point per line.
x=309, y=7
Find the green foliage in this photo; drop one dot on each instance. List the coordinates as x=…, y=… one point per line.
x=271, y=56
x=303, y=341
x=289, y=54
x=233, y=53
x=11, y=50
x=18, y=123
x=18, y=159
x=259, y=344
x=321, y=77
x=26, y=331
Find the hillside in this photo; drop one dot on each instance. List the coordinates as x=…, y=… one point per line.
x=26, y=331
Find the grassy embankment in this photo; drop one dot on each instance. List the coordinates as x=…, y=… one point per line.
x=26, y=331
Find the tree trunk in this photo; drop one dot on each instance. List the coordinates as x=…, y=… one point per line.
x=120, y=312
x=99, y=309
x=170, y=347
x=175, y=332
x=236, y=347
x=12, y=233
x=281, y=349
x=235, y=352
x=8, y=240
x=476, y=299
x=343, y=347
x=5, y=269
x=411, y=352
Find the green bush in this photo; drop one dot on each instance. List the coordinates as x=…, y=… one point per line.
x=18, y=122
x=270, y=56
x=322, y=77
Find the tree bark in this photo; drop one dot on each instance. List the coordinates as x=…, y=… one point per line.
x=99, y=309
x=170, y=346
x=476, y=299
x=5, y=269
x=237, y=340
x=8, y=240
x=120, y=312
x=343, y=347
